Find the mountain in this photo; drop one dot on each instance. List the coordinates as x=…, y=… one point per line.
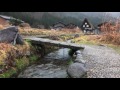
x=45, y=18
x=49, y=18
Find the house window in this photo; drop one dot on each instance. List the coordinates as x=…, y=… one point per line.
x=87, y=26
x=83, y=25
x=84, y=31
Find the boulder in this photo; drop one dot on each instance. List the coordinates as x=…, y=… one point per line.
x=79, y=57
x=11, y=35
x=1, y=71
x=78, y=52
x=19, y=39
x=76, y=36
x=77, y=70
x=80, y=61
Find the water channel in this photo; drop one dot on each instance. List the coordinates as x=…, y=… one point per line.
x=52, y=65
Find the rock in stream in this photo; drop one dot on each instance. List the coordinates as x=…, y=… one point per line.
x=44, y=71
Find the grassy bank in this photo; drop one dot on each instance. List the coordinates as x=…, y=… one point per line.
x=21, y=64
x=86, y=39
x=15, y=58
x=97, y=40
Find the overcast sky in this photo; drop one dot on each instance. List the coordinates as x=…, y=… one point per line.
x=115, y=13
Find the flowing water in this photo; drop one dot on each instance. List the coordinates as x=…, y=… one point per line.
x=53, y=65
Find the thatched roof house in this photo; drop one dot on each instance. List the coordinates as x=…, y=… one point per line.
x=58, y=26
x=87, y=25
x=71, y=26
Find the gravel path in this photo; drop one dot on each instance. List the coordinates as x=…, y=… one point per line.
x=101, y=61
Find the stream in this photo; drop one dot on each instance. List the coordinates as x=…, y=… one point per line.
x=52, y=65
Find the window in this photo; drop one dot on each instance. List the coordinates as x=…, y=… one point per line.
x=83, y=25
x=87, y=26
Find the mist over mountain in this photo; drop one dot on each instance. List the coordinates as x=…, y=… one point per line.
x=115, y=14
x=49, y=18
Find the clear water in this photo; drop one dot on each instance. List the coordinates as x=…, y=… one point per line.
x=61, y=54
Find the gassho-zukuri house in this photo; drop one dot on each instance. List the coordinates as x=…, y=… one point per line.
x=87, y=26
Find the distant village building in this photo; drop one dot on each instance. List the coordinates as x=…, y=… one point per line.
x=71, y=26
x=41, y=26
x=25, y=25
x=58, y=26
x=87, y=27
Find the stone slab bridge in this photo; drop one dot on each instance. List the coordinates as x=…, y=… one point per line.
x=42, y=42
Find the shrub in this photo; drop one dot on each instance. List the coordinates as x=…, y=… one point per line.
x=111, y=38
x=8, y=53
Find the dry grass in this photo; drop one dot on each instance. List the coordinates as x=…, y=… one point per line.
x=3, y=26
x=111, y=38
x=108, y=38
x=87, y=39
x=8, y=54
x=34, y=31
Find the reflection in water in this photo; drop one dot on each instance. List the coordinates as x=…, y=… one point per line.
x=53, y=65
x=61, y=54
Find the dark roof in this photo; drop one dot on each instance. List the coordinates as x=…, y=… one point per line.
x=86, y=20
x=71, y=24
x=59, y=23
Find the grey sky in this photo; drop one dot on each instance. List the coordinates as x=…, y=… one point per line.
x=115, y=13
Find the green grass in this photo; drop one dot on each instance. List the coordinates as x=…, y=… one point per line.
x=33, y=58
x=65, y=37
x=70, y=61
x=9, y=73
x=29, y=41
x=22, y=63
x=84, y=40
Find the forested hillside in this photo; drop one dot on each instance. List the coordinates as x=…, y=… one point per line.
x=49, y=18
x=40, y=18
